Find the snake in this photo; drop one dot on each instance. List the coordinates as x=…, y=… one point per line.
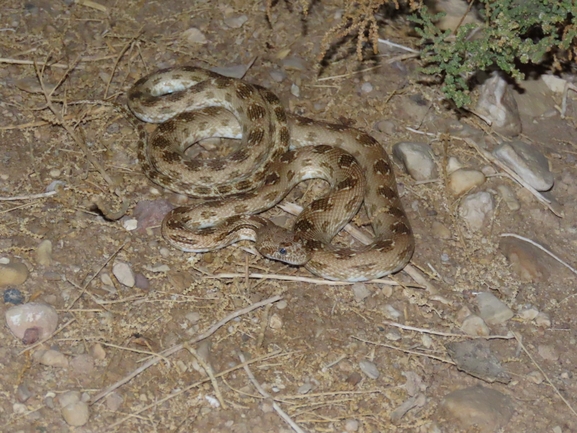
x=276, y=150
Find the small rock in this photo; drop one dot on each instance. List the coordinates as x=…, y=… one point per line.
x=97, y=351
x=76, y=414
x=13, y=296
x=295, y=90
x=42, y=319
x=275, y=322
x=474, y=325
x=548, y=352
x=386, y=126
x=477, y=407
x=236, y=22
x=295, y=63
x=44, y=253
x=369, y=368
x=417, y=159
x=526, y=261
x=351, y=425
x=528, y=314
x=68, y=397
x=305, y=388
x=141, y=281
x=543, y=320
x=23, y=393
x=441, y=231
x=52, y=358
x=528, y=163
x=150, y=213
x=354, y=378
x=535, y=377
x=497, y=103
x=391, y=312
x=113, y=401
x=124, y=274
x=82, y=364
x=475, y=209
x=13, y=273
x=509, y=197
x=475, y=357
x=453, y=164
x=360, y=291
x=281, y=305
x=366, y=87
x=492, y=310
x=464, y=179
x=277, y=75
x=194, y=36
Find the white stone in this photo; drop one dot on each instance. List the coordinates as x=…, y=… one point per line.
x=464, y=179
x=76, y=414
x=124, y=274
x=41, y=317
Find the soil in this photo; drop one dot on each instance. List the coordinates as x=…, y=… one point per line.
x=306, y=351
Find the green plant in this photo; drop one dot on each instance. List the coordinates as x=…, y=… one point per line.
x=525, y=31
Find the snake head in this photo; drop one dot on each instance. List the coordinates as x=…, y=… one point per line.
x=277, y=243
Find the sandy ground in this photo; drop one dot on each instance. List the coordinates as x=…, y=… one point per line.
x=306, y=352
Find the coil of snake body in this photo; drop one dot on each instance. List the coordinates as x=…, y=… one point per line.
x=277, y=150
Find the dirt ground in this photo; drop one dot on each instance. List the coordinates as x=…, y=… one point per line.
x=310, y=351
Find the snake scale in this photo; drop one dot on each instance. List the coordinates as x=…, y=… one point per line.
x=277, y=150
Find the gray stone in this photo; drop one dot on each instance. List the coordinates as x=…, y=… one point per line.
x=528, y=163
x=417, y=159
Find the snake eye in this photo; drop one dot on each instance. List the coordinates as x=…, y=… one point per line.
x=282, y=251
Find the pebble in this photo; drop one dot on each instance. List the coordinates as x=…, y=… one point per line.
x=295, y=63
x=369, y=368
x=44, y=253
x=277, y=75
x=13, y=273
x=475, y=209
x=483, y=409
x=82, y=364
x=39, y=317
x=275, y=322
x=526, y=262
x=76, y=414
x=492, y=310
x=441, y=231
x=474, y=325
x=465, y=179
x=194, y=36
x=13, y=296
x=305, y=388
x=530, y=164
x=535, y=377
x=281, y=305
x=387, y=126
x=508, y=197
x=51, y=358
x=417, y=159
x=236, y=22
x=68, y=397
x=114, y=401
x=453, y=164
x=141, y=281
x=528, y=314
x=124, y=274
x=352, y=425
x=547, y=352
x=97, y=351
x=150, y=213
x=543, y=320
x=390, y=312
x=475, y=357
x=497, y=103
x=295, y=90
x=23, y=393
x=360, y=291
x=366, y=87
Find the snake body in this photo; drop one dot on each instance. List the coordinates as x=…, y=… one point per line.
x=277, y=151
